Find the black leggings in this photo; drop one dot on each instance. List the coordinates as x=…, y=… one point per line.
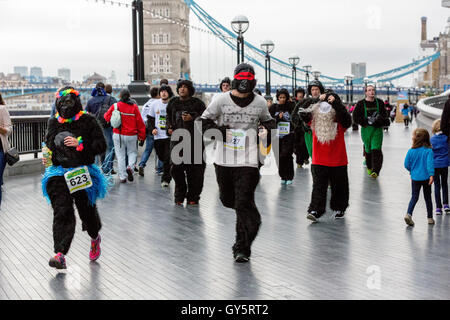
x=337, y=177
x=193, y=174
x=237, y=191
x=64, y=214
x=374, y=160
x=440, y=181
x=415, y=191
x=162, y=148
x=285, y=160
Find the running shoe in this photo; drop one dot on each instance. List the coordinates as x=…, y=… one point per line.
x=409, y=221
x=369, y=172
x=306, y=162
x=283, y=181
x=141, y=171
x=438, y=211
x=179, y=203
x=123, y=180
x=130, y=174
x=339, y=215
x=446, y=208
x=374, y=175
x=241, y=257
x=313, y=216
x=95, y=252
x=288, y=182
x=193, y=203
x=164, y=184
x=431, y=221
x=58, y=261
x=299, y=166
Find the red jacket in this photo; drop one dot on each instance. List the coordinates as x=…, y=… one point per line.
x=131, y=125
x=333, y=154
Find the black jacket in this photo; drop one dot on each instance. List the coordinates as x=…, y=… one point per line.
x=287, y=109
x=445, y=118
x=382, y=120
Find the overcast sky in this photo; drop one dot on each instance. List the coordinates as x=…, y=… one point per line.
x=328, y=34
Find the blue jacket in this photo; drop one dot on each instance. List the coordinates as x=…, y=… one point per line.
x=420, y=163
x=94, y=103
x=440, y=149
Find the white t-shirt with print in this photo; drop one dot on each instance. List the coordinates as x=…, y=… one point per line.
x=158, y=111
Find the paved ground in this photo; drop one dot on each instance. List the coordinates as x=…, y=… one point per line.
x=154, y=250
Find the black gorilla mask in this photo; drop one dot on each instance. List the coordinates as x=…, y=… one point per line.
x=68, y=106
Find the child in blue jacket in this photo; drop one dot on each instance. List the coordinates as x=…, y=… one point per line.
x=439, y=142
x=419, y=162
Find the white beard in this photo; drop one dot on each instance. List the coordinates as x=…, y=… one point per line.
x=323, y=124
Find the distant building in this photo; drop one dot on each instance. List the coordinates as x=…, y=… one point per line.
x=93, y=79
x=166, y=43
x=359, y=70
x=36, y=72
x=11, y=80
x=112, y=78
x=64, y=74
x=23, y=71
x=436, y=74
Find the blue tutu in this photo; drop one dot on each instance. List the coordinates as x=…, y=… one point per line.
x=100, y=183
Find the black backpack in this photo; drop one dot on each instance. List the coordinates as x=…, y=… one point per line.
x=101, y=112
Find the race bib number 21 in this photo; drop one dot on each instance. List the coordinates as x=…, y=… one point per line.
x=78, y=179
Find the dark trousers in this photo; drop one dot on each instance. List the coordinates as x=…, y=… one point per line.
x=64, y=214
x=337, y=177
x=162, y=148
x=406, y=121
x=284, y=159
x=374, y=160
x=194, y=175
x=440, y=181
x=416, y=186
x=300, y=150
x=237, y=191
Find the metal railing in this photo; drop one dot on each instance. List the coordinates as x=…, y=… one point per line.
x=431, y=109
x=28, y=133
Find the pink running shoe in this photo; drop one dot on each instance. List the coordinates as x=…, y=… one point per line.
x=95, y=252
x=58, y=261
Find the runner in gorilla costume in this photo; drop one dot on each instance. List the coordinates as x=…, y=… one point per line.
x=74, y=139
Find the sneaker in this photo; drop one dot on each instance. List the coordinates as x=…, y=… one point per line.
x=306, y=162
x=430, y=221
x=313, y=216
x=123, y=180
x=58, y=261
x=369, y=172
x=288, y=182
x=339, y=215
x=283, y=181
x=374, y=175
x=364, y=163
x=95, y=252
x=130, y=174
x=179, y=203
x=299, y=166
x=241, y=257
x=141, y=171
x=193, y=203
x=446, y=208
x=438, y=211
x=164, y=184
x=136, y=169
x=409, y=221
x=113, y=172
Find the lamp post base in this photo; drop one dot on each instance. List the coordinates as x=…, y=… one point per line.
x=140, y=91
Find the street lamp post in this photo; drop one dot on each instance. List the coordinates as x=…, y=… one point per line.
x=267, y=46
x=240, y=25
x=307, y=71
x=388, y=86
x=139, y=89
x=294, y=61
x=366, y=81
x=349, y=82
x=316, y=75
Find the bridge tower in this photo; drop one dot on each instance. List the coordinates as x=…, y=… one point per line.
x=166, y=44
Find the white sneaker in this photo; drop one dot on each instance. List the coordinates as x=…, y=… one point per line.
x=164, y=184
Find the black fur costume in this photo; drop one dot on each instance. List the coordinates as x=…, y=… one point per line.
x=191, y=172
x=62, y=201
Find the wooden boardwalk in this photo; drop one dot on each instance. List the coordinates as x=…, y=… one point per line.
x=154, y=250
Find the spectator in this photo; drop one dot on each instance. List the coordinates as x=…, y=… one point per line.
x=5, y=132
